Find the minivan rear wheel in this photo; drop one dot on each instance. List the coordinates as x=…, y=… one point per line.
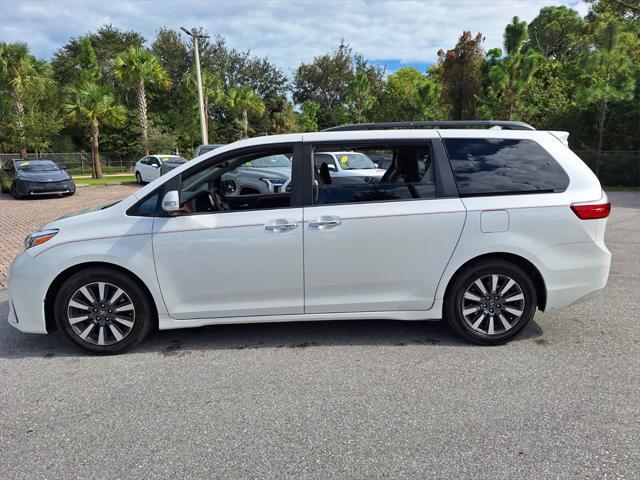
x=491, y=302
x=103, y=310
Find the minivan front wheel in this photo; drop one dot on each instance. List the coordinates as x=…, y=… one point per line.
x=491, y=302
x=103, y=310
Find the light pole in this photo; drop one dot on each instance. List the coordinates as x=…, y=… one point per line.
x=203, y=123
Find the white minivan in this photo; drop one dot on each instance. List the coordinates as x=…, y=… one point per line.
x=480, y=226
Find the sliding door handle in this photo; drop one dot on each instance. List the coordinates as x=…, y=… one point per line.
x=324, y=223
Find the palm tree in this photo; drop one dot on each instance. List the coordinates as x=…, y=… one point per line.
x=91, y=103
x=27, y=78
x=245, y=101
x=138, y=66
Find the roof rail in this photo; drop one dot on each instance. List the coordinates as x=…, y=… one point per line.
x=504, y=124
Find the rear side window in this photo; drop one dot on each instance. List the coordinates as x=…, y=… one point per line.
x=498, y=166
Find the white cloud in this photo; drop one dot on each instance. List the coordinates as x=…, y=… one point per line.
x=285, y=32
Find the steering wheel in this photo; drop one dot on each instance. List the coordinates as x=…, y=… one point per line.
x=218, y=200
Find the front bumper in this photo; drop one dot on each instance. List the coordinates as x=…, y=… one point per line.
x=27, y=291
x=45, y=188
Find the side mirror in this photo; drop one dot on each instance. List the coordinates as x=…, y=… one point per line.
x=171, y=202
x=63, y=167
x=332, y=167
x=156, y=165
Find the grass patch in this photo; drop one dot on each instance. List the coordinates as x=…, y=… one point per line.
x=105, y=169
x=105, y=180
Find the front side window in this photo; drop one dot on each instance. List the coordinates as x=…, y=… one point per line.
x=499, y=166
x=384, y=172
x=248, y=182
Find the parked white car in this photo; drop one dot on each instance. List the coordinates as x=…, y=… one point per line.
x=479, y=226
x=149, y=168
x=345, y=166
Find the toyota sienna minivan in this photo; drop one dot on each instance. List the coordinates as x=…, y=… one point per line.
x=479, y=226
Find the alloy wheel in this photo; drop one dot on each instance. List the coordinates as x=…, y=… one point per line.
x=101, y=313
x=493, y=304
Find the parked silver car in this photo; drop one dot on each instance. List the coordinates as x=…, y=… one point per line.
x=270, y=174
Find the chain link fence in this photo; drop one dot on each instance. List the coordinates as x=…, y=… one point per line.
x=78, y=164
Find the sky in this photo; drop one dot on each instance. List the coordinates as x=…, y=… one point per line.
x=392, y=33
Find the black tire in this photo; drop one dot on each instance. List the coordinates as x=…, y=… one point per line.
x=15, y=192
x=138, y=178
x=455, y=300
x=143, y=310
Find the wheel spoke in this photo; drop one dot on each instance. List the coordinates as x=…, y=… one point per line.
x=491, y=330
x=116, y=296
x=480, y=285
x=101, y=335
x=471, y=296
x=78, y=305
x=116, y=332
x=514, y=298
x=513, y=311
x=75, y=320
x=89, y=296
x=101, y=292
x=478, y=321
x=124, y=308
x=494, y=283
x=471, y=310
x=124, y=321
x=87, y=331
x=506, y=288
x=505, y=324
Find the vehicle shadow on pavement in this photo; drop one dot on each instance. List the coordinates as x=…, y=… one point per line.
x=390, y=333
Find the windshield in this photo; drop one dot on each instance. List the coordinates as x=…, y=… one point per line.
x=270, y=161
x=171, y=159
x=37, y=166
x=353, y=161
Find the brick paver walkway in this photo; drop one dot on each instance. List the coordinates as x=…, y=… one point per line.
x=18, y=218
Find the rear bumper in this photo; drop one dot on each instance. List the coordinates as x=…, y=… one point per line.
x=574, y=273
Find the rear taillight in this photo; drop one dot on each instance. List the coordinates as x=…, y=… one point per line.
x=592, y=211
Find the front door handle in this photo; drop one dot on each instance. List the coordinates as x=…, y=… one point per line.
x=324, y=223
x=280, y=225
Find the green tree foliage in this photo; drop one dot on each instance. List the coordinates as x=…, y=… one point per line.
x=91, y=104
x=557, y=32
x=608, y=73
x=247, y=103
x=409, y=95
x=510, y=77
x=308, y=119
x=27, y=85
x=139, y=67
x=459, y=73
x=343, y=84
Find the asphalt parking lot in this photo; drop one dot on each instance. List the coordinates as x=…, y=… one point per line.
x=340, y=400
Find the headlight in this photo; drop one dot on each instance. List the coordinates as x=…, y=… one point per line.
x=274, y=181
x=38, y=238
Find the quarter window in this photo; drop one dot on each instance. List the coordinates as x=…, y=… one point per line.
x=373, y=173
x=503, y=166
